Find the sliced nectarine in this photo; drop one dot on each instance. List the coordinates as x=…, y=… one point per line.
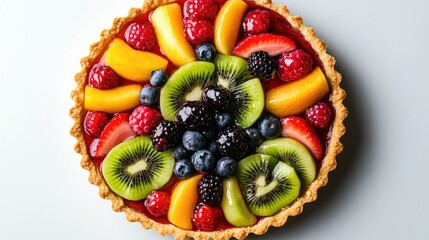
x=113, y=100
x=132, y=64
x=294, y=97
x=183, y=201
x=167, y=22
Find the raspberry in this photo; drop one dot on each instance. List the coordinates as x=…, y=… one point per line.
x=165, y=135
x=232, y=142
x=103, y=77
x=261, y=65
x=141, y=36
x=95, y=122
x=206, y=218
x=198, y=31
x=143, y=119
x=319, y=114
x=195, y=116
x=210, y=189
x=157, y=203
x=203, y=9
x=256, y=21
x=294, y=65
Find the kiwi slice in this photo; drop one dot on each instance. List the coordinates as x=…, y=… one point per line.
x=268, y=185
x=247, y=102
x=231, y=70
x=133, y=169
x=293, y=153
x=186, y=84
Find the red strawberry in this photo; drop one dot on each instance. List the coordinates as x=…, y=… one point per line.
x=143, y=119
x=268, y=42
x=95, y=122
x=158, y=203
x=301, y=130
x=319, y=114
x=256, y=22
x=141, y=36
x=116, y=131
x=206, y=218
x=103, y=77
x=294, y=65
x=198, y=31
x=203, y=9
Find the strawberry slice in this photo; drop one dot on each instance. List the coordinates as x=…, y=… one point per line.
x=116, y=131
x=301, y=130
x=268, y=42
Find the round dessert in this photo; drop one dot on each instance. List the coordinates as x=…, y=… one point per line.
x=208, y=118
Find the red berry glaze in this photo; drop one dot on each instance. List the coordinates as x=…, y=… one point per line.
x=95, y=122
x=320, y=114
x=294, y=65
x=206, y=218
x=141, y=36
x=256, y=22
x=158, y=203
x=201, y=9
x=198, y=31
x=143, y=119
x=103, y=77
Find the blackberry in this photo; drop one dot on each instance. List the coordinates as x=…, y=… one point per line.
x=217, y=97
x=195, y=116
x=261, y=65
x=210, y=189
x=232, y=142
x=165, y=135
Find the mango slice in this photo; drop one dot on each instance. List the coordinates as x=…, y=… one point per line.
x=227, y=25
x=167, y=22
x=132, y=64
x=113, y=100
x=183, y=202
x=294, y=97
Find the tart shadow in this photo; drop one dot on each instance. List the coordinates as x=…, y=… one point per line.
x=350, y=163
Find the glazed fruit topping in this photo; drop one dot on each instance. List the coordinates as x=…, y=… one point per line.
x=158, y=203
x=232, y=142
x=149, y=96
x=95, y=122
x=165, y=135
x=210, y=189
x=198, y=31
x=158, y=78
x=203, y=160
x=226, y=167
x=144, y=119
x=294, y=65
x=206, y=218
x=270, y=127
x=195, y=116
x=184, y=169
x=202, y=9
x=205, y=52
x=103, y=77
x=268, y=42
x=141, y=36
x=217, y=97
x=256, y=22
x=261, y=65
x=320, y=115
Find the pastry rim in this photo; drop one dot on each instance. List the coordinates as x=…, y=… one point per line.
x=335, y=147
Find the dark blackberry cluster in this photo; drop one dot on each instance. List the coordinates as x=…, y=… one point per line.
x=165, y=135
x=210, y=189
x=217, y=97
x=195, y=116
x=232, y=142
x=261, y=65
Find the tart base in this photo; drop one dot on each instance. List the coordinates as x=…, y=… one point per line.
x=277, y=220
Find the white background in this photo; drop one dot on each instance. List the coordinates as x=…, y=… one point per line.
x=379, y=190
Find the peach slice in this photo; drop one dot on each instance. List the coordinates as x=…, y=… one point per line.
x=227, y=25
x=132, y=64
x=183, y=201
x=294, y=97
x=167, y=22
x=114, y=100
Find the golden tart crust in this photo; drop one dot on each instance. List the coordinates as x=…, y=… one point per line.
x=277, y=220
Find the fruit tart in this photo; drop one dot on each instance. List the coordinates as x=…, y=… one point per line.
x=208, y=118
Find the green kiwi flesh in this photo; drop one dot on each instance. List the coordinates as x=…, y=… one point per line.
x=293, y=153
x=185, y=84
x=133, y=169
x=231, y=70
x=267, y=185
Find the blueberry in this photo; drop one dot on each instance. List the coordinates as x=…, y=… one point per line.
x=209, y=134
x=184, y=168
x=254, y=137
x=181, y=152
x=149, y=96
x=158, y=78
x=212, y=146
x=226, y=167
x=203, y=160
x=193, y=140
x=223, y=120
x=205, y=52
x=270, y=127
